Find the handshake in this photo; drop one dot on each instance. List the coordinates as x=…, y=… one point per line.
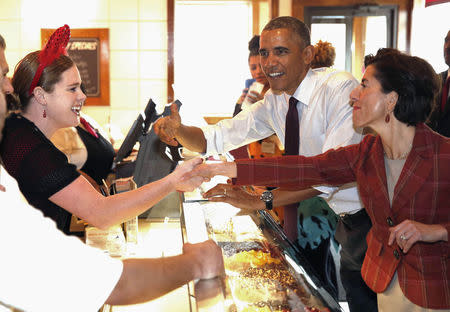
x=192, y=173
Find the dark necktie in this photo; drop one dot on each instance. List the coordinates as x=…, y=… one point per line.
x=445, y=94
x=291, y=144
x=291, y=138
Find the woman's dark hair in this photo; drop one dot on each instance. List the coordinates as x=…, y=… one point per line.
x=26, y=69
x=412, y=78
x=253, y=46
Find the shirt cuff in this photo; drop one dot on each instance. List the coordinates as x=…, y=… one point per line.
x=327, y=191
x=210, y=137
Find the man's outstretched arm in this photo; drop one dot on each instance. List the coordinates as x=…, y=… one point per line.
x=171, y=131
x=146, y=279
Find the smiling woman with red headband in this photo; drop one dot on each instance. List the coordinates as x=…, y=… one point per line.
x=403, y=177
x=48, y=85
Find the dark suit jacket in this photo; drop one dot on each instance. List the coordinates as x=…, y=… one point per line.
x=440, y=121
x=422, y=194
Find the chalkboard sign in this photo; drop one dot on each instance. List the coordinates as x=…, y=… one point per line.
x=85, y=53
x=89, y=49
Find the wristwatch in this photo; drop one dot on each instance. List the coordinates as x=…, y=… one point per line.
x=267, y=197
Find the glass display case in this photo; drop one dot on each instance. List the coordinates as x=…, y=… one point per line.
x=263, y=270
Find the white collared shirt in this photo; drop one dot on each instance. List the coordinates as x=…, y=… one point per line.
x=41, y=269
x=325, y=122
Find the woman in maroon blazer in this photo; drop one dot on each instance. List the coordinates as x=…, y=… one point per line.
x=403, y=175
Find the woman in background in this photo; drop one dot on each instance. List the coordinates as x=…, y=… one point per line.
x=257, y=75
x=324, y=55
x=403, y=175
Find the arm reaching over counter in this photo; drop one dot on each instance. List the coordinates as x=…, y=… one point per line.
x=146, y=279
x=172, y=131
x=249, y=197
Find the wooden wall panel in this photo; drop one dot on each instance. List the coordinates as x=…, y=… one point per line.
x=255, y=14
x=274, y=8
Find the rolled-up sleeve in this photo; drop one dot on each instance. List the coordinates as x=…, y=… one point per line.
x=246, y=127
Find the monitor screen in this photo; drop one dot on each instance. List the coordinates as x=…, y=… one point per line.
x=139, y=127
x=154, y=162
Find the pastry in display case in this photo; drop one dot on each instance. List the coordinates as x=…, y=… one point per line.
x=263, y=271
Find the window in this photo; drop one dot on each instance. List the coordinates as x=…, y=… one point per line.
x=353, y=31
x=210, y=56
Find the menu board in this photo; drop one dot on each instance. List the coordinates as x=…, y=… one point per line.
x=85, y=53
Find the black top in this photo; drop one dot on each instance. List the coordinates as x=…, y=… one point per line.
x=40, y=169
x=100, y=155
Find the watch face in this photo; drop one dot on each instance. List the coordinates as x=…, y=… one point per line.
x=267, y=196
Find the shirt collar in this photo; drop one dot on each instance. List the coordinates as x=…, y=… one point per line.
x=305, y=89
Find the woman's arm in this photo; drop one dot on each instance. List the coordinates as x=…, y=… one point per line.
x=82, y=200
x=335, y=167
x=249, y=198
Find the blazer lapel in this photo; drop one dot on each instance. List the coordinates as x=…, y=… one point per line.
x=416, y=169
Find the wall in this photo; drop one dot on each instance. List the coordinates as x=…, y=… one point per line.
x=285, y=7
x=138, y=46
x=430, y=25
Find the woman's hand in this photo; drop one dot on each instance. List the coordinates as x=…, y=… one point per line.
x=242, y=97
x=254, y=97
x=208, y=171
x=183, y=178
x=407, y=233
x=240, y=197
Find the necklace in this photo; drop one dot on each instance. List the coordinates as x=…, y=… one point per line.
x=402, y=156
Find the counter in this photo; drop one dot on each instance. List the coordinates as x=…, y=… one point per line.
x=151, y=245
x=264, y=271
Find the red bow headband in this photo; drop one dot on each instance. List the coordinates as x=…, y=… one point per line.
x=55, y=46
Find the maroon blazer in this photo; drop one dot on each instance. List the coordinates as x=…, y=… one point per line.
x=422, y=194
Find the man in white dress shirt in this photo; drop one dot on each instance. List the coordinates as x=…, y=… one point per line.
x=41, y=269
x=325, y=118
